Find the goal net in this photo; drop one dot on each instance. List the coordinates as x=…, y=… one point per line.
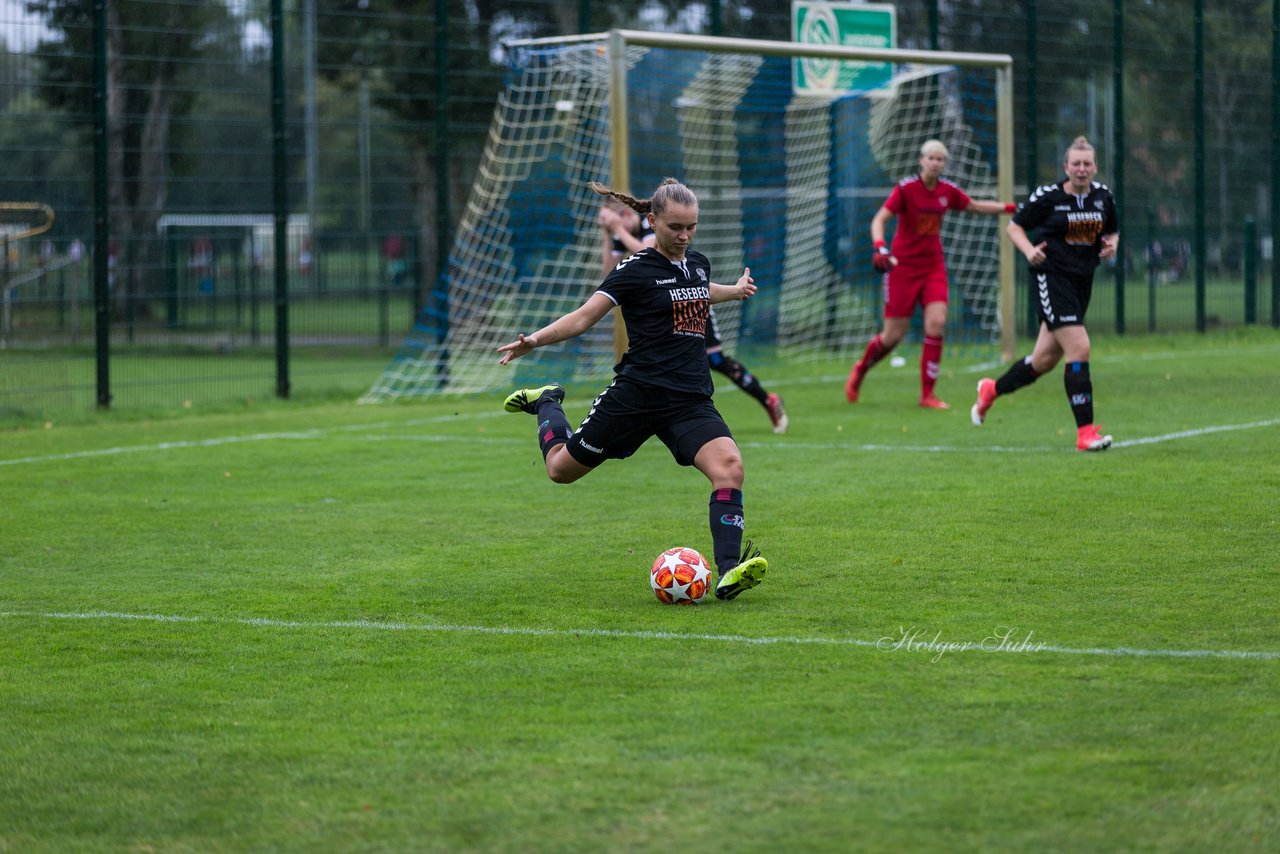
x=787, y=183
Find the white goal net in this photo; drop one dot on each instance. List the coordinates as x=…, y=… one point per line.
x=787, y=184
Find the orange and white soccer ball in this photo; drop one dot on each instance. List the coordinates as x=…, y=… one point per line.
x=680, y=576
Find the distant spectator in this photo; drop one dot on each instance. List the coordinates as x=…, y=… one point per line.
x=304, y=257
x=393, y=251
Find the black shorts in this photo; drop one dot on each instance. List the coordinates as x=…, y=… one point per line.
x=626, y=414
x=1061, y=299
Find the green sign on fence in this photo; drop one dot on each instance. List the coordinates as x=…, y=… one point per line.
x=873, y=25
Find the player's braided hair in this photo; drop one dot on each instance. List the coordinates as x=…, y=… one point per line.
x=669, y=192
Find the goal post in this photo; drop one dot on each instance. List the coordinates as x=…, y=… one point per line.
x=787, y=182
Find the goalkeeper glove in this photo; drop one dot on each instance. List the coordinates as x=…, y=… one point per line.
x=881, y=260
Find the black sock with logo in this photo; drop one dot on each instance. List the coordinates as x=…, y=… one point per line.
x=727, y=525
x=553, y=425
x=1079, y=392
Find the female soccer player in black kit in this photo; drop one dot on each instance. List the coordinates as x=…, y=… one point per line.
x=662, y=387
x=625, y=233
x=1075, y=220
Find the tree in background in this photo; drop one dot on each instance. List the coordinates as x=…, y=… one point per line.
x=149, y=45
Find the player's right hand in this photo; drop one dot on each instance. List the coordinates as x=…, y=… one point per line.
x=882, y=260
x=522, y=345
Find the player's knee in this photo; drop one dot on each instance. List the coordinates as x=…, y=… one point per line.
x=1044, y=362
x=563, y=474
x=731, y=470
x=562, y=468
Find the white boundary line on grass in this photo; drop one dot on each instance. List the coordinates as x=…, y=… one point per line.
x=1201, y=431
x=886, y=644
x=290, y=435
x=783, y=443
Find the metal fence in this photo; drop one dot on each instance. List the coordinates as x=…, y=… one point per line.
x=170, y=139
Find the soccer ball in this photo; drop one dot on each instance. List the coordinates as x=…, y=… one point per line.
x=680, y=576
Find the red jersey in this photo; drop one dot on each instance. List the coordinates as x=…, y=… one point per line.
x=917, y=242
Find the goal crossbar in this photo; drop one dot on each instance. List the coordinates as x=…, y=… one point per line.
x=1002, y=63
x=788, y=178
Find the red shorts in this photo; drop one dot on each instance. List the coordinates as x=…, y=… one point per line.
x=905, y=287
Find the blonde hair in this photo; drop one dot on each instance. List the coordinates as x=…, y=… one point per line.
x=1080, y=143
x=934, y=146
x=669, y=192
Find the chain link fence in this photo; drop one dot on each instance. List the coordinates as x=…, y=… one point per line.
x=198, y=126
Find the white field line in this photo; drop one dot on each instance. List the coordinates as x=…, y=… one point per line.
x=1191, y=434
x=292, y=435
x=779, y=444
x=899, y=642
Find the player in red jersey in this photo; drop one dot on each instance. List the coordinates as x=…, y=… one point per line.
x=915, y=270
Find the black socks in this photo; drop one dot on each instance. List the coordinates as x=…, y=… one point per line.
x=727, y=525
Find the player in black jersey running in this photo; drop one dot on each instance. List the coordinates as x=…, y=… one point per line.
x=627, y=232
x=1075, y=221
x=662, y=386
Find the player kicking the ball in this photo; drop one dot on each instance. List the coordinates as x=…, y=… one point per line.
x=662, y=387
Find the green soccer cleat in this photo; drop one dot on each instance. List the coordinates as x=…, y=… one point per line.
x=747, y=574
x=526, y=399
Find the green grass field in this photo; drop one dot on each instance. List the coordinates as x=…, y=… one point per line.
x=330, y=627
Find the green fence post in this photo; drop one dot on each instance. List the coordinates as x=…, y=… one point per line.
x=1152, y=272
x=1117, y=153
x=1033, y=141
x=171, y=279
x=1250, y=270
x=1198, y=224
x=280, y=197
x=101, y=209
x=1275, y=163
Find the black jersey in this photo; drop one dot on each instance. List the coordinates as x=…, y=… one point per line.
x=646, y=231
x=665, y=307
x=1072, y=225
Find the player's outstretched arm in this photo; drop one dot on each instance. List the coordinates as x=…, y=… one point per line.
x=742, y=289
x=983, y=206
x=569, y=326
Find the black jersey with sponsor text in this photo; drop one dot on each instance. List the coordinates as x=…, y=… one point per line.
x=1072, y=225
x=665, y=307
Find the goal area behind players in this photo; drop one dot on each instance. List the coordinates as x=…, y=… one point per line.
x=787, y=183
